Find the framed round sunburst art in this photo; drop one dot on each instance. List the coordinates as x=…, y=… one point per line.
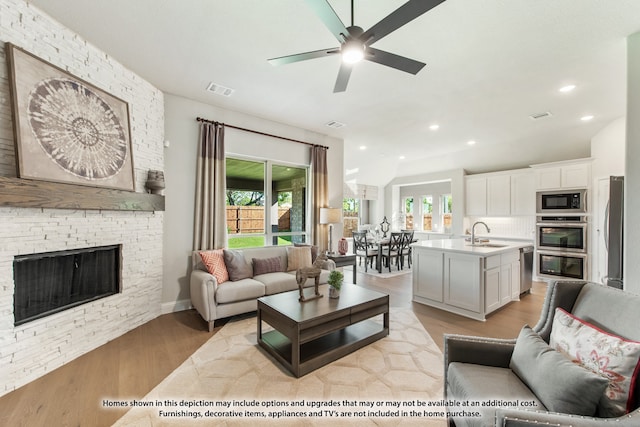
x=67, y=130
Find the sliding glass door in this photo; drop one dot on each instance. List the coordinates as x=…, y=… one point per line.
x=252, y=185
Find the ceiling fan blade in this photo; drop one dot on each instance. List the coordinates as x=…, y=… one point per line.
x=396, y=19
x=303, y=56
x=343, y=78
x=394, y=61
x=325, y=12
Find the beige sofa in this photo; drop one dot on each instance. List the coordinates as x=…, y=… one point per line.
x=216, y=301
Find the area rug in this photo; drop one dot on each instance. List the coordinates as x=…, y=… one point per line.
x=385, y=274
x=230, y=381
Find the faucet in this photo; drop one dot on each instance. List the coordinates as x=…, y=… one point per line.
x=473, y=230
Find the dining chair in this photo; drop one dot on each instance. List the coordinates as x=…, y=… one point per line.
x=362, y=249
x=392, y=250
x=406, y=251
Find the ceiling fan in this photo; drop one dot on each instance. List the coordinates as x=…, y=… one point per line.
x=355, y=43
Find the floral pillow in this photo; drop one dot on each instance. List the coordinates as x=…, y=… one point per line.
x=611, y=356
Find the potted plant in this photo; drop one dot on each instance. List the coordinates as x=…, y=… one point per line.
x=335, y=283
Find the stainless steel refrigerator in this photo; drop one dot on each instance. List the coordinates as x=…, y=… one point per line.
x=613, y=228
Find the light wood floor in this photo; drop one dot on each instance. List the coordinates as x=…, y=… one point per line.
x=132, y=365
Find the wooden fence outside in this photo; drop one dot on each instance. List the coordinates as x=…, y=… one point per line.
x=250, y=219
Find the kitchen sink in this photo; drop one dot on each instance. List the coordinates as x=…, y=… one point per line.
x=487, y=245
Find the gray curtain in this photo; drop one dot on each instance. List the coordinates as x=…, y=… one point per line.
x=210, y=228
x=319, y=180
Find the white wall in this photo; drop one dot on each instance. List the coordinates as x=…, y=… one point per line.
x=632, y=176
x=181, y=129
x=33, y=349
x=608, y=153
x=608, y=150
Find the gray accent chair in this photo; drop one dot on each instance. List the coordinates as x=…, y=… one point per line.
x=470, y=362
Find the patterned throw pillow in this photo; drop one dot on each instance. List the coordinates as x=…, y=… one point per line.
x=298, y=257
x=214, y=261
x=611, y=356
x=266, y=265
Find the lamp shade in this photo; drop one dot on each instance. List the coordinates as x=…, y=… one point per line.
x=330, y=215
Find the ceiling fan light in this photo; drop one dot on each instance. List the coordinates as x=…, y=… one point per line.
x=352, y=52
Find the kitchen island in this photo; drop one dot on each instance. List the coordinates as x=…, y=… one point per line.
x=470, y=280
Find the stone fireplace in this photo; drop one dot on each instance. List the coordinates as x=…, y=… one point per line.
x=31, y=349
x=51, y=282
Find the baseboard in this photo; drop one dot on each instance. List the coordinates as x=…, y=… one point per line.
x=172, y=307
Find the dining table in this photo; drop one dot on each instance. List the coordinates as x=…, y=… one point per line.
x=381, y=242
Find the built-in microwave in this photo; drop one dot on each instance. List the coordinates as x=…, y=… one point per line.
x=561, y=202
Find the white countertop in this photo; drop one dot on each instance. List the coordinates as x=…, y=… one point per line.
x=462, y=246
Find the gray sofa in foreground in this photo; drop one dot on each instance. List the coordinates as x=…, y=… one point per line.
x=216, y=301
x=479, y=368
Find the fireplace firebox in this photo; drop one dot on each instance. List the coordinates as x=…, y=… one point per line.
x=47, y=283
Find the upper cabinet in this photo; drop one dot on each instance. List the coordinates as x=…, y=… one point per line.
x=561, y=175
x=504, y=193
x=475, y=196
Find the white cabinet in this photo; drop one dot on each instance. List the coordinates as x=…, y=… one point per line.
x=499, y=195
x=462, y=281
x=469, y=284
x=476, y=196
x=561, y=175
x=523, y=194
x=427, y=275
x=501, y=278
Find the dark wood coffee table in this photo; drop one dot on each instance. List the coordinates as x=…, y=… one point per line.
x=308, y=335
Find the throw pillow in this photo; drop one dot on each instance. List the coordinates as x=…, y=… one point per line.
x=298, y=257
x=236, y=265
x=561, y=386
x=214, y=261
x=314, y=250
x=613, y=357
x=266, y=265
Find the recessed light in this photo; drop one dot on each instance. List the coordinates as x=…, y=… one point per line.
x=401, y=157
x=471, y=142
x=567, y=88
x=363, y=147
x=434, y=127
x=586, y=118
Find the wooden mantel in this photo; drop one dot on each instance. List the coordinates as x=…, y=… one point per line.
x=27, y=193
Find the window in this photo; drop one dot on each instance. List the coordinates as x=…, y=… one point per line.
x=408, y=213
x=446, y=211
x=249, y=187
x=350, y=216
x=427, y=213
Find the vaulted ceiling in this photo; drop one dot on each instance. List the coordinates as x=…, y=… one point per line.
x=490, y=65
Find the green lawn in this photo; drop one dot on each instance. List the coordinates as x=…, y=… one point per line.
x=254, y=242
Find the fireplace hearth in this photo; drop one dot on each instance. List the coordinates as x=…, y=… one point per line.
x=47, y=283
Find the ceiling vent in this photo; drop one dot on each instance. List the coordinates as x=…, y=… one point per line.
x=336, y=125
x=538, y=116
x=220, y=90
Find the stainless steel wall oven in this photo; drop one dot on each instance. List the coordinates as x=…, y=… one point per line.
x=561, y=247
x=562, y=234
x=556, y=265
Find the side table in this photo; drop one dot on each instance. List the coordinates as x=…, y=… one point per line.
x=344, y=261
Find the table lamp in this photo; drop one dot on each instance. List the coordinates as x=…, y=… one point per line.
x=330, y=216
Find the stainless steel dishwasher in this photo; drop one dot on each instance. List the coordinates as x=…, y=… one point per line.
x=526, y=269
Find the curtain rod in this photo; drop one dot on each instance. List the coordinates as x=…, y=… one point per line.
x=200, y=119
